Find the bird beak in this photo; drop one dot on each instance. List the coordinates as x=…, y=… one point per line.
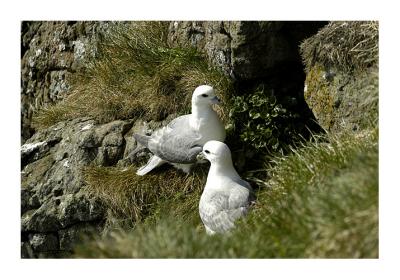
x=200, y=156
x=215, y=100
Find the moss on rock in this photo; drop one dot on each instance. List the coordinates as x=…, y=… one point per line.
x=341, y=86
x=343, y=101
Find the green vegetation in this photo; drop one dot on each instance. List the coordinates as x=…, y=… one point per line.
x=136, y=74
x=131, y=198
x=321, y=201
x=262, y=123
x=347, y=45
x=343, y=75
x=318, y=199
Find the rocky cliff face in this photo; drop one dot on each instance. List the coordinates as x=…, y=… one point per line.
x=246, y=50
x=342, y=75
x=50, y=52
x=55, y=208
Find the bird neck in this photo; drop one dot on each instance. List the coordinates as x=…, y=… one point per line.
x=201, y=111
x=223, y=168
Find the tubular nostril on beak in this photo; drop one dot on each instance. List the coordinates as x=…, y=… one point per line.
x=200, y=156
x=215, y=100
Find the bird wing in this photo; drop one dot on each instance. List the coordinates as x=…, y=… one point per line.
x=153, y=162
x=252, y=196
x=176, y=142
x=220, y=209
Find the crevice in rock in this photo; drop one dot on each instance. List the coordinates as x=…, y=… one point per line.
x=67, y=238
x=223, y=31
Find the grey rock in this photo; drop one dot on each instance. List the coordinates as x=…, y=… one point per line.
x=44, y=219
x=51, y=51
x=342, y=91
x=29, y=200
x=71, y=236
x=44, y=242
x=33, y=151
x=245, y=50
x=53, y=198
x=60, y=212
x=26, y=250
x=74, y=208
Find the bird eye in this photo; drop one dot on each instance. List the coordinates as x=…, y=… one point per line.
x=204, y=95
x=207, y=151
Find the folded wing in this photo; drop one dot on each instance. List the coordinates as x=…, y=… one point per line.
x=219, y=210
x=176, y=142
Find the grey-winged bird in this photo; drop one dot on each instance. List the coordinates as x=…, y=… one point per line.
x=182, y=139
x=226, y=196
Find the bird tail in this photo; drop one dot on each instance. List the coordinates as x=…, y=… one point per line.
x=142, y=139
x=153, y=162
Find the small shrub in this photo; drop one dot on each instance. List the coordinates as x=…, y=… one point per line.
x=263, y=123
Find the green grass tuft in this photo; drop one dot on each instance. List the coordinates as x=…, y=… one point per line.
x=136, y=74
x=348, y=46
x=131, y=198
x=322, y=202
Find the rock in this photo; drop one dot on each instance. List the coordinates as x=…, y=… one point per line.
x=345, y=103
x=33, y=151
x=53, y=198
x=60, y=212
x=74, y=208
x=50, y=52
x=26, y=250
x=44, y=219
x=71, y=236
x=44, y=242
x=341, y=86
x=29, y=200
x=245, y=50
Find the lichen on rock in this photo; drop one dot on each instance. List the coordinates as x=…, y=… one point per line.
x=342, y=75
x=53, y=195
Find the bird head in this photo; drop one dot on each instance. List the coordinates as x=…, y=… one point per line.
x=215, y=152
x=204, y=94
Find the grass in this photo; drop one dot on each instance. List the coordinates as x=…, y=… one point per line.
x=348, y=46
x=131, y=198
x=321, y=201
x=135, y=74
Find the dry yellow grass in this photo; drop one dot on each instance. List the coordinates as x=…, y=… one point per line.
x=136, y=74
x=131, y=198
x=346, y=45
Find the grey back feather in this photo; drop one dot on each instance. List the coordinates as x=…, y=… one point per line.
x=219, y=209
x=142, y=139
x=176, y=142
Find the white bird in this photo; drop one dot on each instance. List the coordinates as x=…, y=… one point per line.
x=182, y=139
x=226, y=197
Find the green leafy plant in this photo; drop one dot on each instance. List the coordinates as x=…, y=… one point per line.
x=262, y=122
